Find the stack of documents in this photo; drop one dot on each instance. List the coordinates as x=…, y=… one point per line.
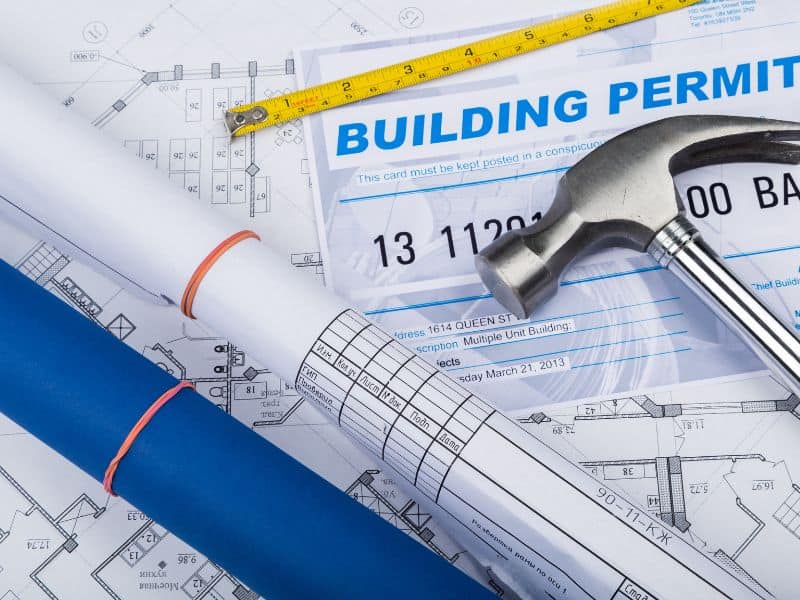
x=671, y=423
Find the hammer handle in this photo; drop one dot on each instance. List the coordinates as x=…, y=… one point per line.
x=681, y=249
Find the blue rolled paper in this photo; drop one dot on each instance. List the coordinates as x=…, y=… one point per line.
x=80, y=391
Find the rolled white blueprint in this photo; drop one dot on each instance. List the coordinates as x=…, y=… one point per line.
x=544, y=525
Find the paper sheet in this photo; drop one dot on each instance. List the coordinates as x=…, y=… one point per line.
x=716, y=460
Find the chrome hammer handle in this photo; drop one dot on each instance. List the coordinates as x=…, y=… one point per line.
x=679, y=248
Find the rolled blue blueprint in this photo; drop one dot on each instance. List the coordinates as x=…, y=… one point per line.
x=201, y=474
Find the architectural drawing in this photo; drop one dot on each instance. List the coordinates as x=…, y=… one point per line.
x=225, y=375
x=407, y=516
x=718, y=462
x=57, y=546
x=235, y=177
x=378, y=492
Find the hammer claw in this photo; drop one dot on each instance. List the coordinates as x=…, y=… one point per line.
x=753, y=152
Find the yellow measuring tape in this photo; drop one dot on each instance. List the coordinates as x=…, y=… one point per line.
x=248, y=118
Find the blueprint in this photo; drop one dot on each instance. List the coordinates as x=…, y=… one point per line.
x=717, y=461
x=156, y=76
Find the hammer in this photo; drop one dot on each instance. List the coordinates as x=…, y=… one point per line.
x=622, y=194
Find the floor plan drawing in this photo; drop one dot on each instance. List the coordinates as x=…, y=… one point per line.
x=716, y=462
x=59, y=543
x=408, y=516
x=235, y=177
x=48, y=556
x=379, y=492
x=30, y=531
x=253, y=395
x=146, y=552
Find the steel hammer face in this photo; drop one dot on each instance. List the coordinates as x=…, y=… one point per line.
x=623, y=194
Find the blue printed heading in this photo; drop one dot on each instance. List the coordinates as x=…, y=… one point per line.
x=569, y=106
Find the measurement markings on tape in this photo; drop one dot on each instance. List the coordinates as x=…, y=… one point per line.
x=248, y=118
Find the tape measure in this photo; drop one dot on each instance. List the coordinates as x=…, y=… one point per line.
x=248, y=118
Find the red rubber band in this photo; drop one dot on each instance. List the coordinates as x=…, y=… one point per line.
x=205, y=266
x=108, y=480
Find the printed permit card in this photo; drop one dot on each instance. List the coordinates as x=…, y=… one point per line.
x=411, y=185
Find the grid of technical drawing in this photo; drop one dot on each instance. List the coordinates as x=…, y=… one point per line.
x=788, y=513
x=42, y=262
x=396, y=404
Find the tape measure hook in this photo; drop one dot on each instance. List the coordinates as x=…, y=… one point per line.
x=243, y=120
x=235, y=121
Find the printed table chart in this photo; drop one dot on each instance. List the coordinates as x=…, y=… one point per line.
x=395, y=403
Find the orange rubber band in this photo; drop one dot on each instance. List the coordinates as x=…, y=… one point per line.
x=108, y=479
x=205, y=266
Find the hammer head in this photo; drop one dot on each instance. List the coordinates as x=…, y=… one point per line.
x=622, y=194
